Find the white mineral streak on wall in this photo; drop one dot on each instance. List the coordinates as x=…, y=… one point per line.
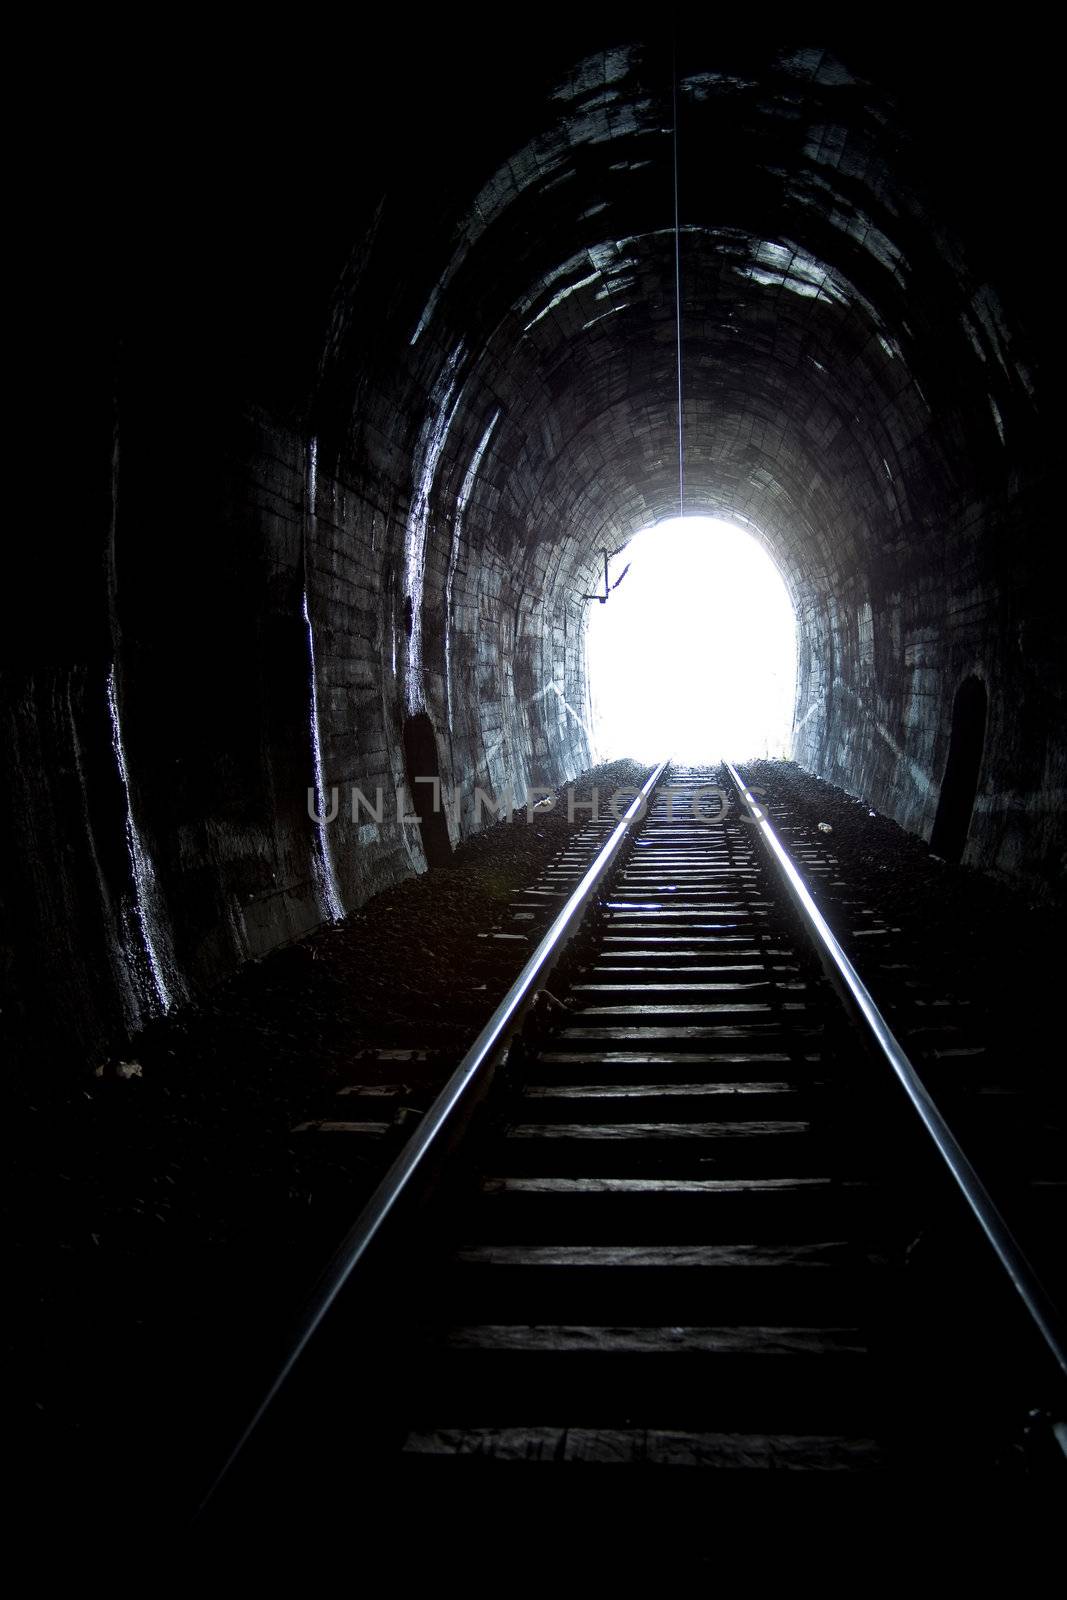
x=432, y=440
x=325, y=872
x=809, y=713
x=119, y=960
x=559, y=297
x=453, y=554
x=145, y=891
x=554, y=688
x=150, y=977
x=921, y=779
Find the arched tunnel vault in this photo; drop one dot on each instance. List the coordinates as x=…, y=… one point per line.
x=419, y=424
x=851, y=392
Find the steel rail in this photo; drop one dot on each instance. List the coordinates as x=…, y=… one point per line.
x=443, y=1115
x=858, y=997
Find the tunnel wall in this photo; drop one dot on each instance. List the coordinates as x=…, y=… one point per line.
x=881, y=666
x=165, y=790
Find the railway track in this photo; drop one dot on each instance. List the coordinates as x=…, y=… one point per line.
x=678, y=1207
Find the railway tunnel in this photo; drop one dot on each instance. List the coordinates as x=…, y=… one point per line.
x=392, y=369
x=342, y=480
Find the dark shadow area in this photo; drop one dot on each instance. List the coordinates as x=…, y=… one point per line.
x=421, y=763
x=960, y=783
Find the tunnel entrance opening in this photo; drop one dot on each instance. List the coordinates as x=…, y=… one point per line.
x=424, y=782
x=959, y=786
x=693, y=654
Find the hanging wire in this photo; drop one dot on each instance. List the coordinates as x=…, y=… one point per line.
x=677, y=279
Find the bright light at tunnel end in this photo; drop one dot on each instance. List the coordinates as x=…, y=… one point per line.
x=694, y=655
x=691, y=658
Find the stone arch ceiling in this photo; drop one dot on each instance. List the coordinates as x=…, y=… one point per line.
x=851, y=379
x=832, y=332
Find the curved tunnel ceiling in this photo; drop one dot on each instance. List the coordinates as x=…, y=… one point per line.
x=846, y=374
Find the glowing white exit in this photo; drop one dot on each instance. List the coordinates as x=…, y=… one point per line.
x=694, y=653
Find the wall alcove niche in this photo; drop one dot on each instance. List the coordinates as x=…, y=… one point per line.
x=421, y=764
x=959, y=786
